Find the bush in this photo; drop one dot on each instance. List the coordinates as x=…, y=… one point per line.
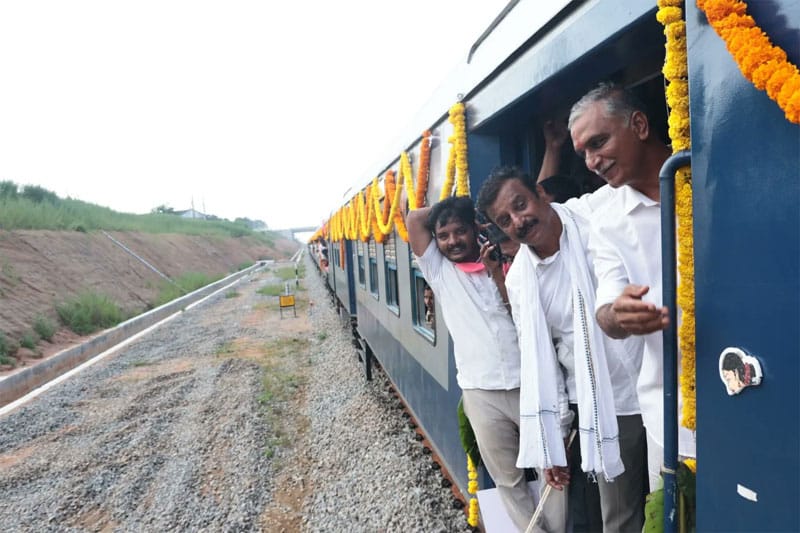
x=89, y=312
x=242, y=266
x=44, y=327
x=5, y=348
x=29, y=340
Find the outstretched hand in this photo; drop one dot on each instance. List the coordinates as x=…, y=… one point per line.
x=636, y=316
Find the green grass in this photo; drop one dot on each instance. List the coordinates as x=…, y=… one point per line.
x=271, y=290
x=246, y=264
x=232, y=294
x=285, y=273
x=89, y=312
x=33, y=207
x=191, y=281
x=44, y=327
x=280, y=384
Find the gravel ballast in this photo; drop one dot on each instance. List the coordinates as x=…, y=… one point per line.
x=177, y=432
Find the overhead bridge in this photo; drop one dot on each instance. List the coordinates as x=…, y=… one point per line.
x=292, y=232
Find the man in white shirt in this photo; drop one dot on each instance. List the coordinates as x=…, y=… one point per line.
x=566, y=358
x=611, y=131
x=474, y=306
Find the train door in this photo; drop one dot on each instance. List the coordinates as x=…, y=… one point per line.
x=746, y=165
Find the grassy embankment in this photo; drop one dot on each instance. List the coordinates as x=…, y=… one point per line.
x=36, y=208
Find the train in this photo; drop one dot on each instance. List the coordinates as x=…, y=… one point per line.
x=741, y=112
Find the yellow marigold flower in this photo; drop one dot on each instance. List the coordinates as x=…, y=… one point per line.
x=691, y=464
x=669, y=14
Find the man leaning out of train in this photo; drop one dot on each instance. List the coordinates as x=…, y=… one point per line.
x=611, y=131
x=568, y=365
x=473, y=301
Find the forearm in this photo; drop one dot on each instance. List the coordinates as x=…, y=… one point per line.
x=418, y=235
x=500, y=280
x=550, y=164
x=608, y=323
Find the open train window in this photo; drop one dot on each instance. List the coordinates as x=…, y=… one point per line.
x=390, y=264
x=372, y=250
x=424, y=308
x=647, y=86
x=360, y=260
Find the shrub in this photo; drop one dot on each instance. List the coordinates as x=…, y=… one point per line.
x=89, y=312
x=4, y=345
x=44, y=327
x=231, y=294
x=29, y=340
x=245, y=264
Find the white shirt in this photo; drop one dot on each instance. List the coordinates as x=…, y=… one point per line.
x=625, y=241
x=484, y=337
x=555, y=293
x=623, y=357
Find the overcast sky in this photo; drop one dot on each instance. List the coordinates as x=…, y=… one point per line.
x=261, y=109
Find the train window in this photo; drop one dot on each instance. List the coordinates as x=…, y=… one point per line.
x=336, y=262
x=373, y=267
x=390, y=263
x=424, y=308
x=360, y=255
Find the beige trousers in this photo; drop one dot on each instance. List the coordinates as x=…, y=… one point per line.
x=494, y=417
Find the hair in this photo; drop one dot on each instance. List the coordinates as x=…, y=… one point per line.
x=619, y=102
x=497, y=178
x=734, y=363
x=561, y=188
x=460, y=208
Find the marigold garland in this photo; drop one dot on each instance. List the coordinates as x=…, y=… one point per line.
x=457, y=171
x=364, y=215
x=764, y=64
x=416, y=194
x=677, y=94
x=424, y=169
x=472, y=488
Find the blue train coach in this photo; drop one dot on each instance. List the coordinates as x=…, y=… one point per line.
x=737, y=118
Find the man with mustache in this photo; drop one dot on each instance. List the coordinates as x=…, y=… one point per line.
x=568, y=364
x=611, y=132
x=471, y=293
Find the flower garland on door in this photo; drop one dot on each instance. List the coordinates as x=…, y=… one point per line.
x=676, y=72
x=416, y=194
x=457, y=171
x=765, y=65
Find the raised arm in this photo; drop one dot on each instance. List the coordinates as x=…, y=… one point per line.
x=555, y=134
x=418, y=235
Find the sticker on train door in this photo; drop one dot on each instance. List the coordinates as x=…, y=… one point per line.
x=737, y=370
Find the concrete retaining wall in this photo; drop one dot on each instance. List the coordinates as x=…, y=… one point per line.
x=19, y=384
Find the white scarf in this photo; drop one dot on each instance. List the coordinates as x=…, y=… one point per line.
x=541, y=444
